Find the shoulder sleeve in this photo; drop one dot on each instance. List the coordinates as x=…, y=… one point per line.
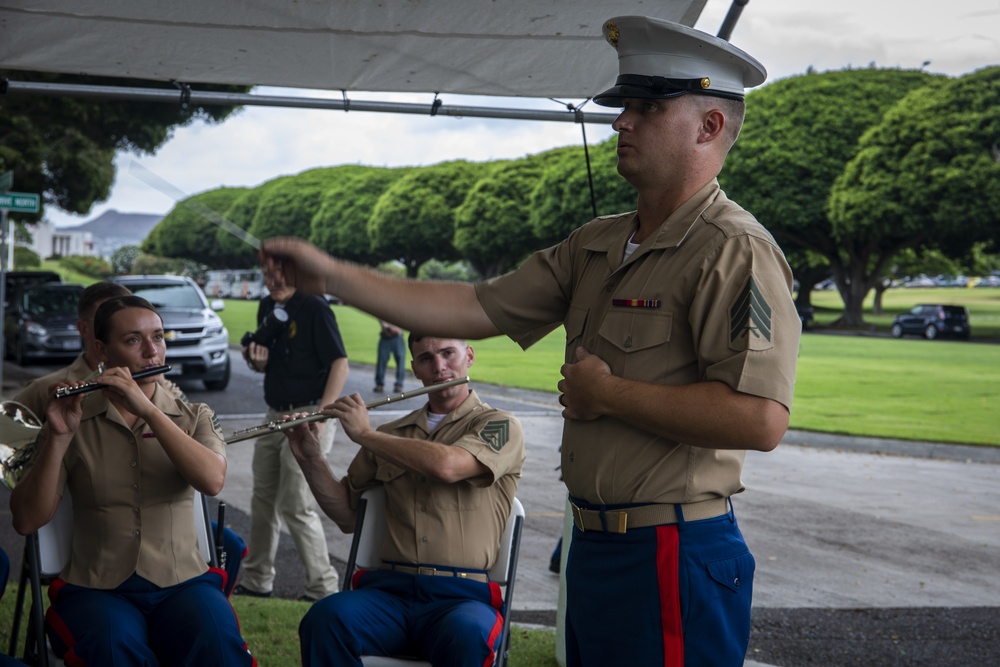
x=743, y=319
x=530, y=302
x=207, y=429
x=496, y=439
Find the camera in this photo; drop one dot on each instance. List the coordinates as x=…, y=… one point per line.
x=268, y=330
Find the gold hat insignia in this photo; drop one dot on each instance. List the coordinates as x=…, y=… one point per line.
x=613, y=33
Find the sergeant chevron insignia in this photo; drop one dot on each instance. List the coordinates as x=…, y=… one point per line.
x=750, y=319
x=496, y=433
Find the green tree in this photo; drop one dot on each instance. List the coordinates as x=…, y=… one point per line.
x=492, y=228
x=124, y=258
x=289, y=205
x=191, y=228
x=241, y=214
x=798, y=134
x=64, y=148
x=340, y=226
x=927, y=176
x=413, y=221
x=561, y=201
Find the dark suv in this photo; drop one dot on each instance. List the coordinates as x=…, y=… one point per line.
x=931, y=321
x=197, y=341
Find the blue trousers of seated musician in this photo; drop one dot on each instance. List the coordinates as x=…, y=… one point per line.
x=448, y=621
x=236, y=550
x=141, y=624
x=676, y=595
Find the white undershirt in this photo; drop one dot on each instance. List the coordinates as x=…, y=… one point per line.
x=433, y=419
x=629, y=249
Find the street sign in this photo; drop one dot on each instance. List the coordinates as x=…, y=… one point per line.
x=19, y=201
x=6, y=181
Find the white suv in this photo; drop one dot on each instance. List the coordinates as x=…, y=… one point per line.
x=197, y=341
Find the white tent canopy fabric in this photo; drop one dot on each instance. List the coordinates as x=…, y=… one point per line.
x=520, y=48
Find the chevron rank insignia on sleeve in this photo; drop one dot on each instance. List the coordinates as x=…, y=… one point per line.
x=750, y=319
x=496, y=434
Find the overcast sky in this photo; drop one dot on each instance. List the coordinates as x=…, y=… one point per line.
x=788, y=36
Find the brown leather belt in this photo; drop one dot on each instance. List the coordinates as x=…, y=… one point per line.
x=619, y=521
x=434, y=572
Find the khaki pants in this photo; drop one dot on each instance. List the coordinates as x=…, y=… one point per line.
x=281, y=494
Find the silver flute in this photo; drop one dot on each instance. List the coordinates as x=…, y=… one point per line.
x=273, y=426
x=93, y=385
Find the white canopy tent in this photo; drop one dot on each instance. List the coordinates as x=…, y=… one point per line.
x=519, y=48
x=504, y=48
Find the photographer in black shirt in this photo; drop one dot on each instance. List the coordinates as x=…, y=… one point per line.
x=298, y=348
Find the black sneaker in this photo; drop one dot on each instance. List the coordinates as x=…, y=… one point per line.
x=378, y=389
x=399, y=389
x=243, y=590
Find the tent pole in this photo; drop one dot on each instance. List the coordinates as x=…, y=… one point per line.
x=206, y=98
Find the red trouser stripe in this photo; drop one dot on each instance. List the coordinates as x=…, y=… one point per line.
x=667, y=545
x=494, y=634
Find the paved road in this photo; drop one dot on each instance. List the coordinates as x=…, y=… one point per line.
x=869, y=552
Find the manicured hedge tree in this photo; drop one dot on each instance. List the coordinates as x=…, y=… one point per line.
x=340, y=226
x=927, y=176
x=288, y=206
x=242, y=214
x=414, y=219
x=189, y=231
x=492, y=229
x=561, y=201
x=798, y=134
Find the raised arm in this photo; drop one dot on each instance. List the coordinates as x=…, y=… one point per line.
x=433, y=308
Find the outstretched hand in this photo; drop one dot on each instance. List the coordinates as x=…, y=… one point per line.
x=304, y=265
x=581, y=388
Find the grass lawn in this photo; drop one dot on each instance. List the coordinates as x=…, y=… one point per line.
x=983, y=304
x=856, y=385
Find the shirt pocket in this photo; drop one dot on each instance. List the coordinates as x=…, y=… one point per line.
x=460, y=497
x=636, y=343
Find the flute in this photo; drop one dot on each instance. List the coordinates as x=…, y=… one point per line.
x=63, y=392
x=272, y=426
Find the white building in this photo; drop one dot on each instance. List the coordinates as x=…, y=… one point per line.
x=49, y=241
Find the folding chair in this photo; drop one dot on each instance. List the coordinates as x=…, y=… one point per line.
x=47, y=552
x=365, y=552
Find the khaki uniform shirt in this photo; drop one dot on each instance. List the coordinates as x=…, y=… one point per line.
x=132, y=510
x=708, y=297
x=433, y=523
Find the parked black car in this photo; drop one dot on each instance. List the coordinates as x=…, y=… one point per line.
x=40, y=322
x=931, y=321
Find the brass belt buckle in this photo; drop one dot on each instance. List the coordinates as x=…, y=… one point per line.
x=578, y=518
x=622, y=521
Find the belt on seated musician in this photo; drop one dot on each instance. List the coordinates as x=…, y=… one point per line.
x=436, y=571
x=620, y=520
x=289, y=407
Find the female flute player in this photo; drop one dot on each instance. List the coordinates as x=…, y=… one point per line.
x=136, y=590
